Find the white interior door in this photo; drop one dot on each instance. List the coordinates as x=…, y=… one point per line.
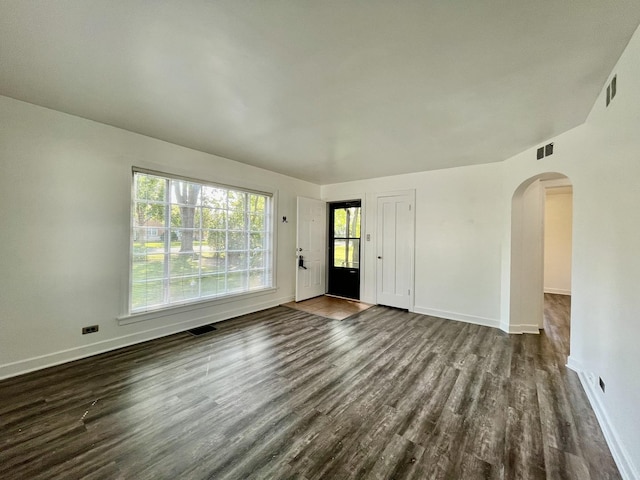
x=395, y=244
x=311, y=244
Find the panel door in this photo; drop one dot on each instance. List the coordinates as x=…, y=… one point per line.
x=395, y=242
x=311, y=264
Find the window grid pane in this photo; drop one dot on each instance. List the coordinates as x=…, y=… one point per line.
x=192, y=241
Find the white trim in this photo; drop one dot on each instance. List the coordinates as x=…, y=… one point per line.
x=522, y=328
x=270, y=230
x=458, y=317
x=190, y=306
x=63, y=356
x=411, y=193
x=557, y=291
x=396, y=193
x=273, y=247
x=345, y=198
x=622, y=458
x=172, y=176
x=574, y=364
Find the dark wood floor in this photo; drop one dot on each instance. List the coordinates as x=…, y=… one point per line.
x=284, y=394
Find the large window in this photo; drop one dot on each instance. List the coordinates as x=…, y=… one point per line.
x=193, y=241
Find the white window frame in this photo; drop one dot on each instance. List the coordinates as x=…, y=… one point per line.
x=201, y=301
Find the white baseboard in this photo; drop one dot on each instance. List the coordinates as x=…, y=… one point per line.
x=624, y=462
x=520, y=329
x=557, y=291
x=458, y=317
x=574, y=364
x=63, y=356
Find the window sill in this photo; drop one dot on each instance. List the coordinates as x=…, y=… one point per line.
x=129, y=319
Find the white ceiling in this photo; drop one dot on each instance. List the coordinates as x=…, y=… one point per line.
x=325, y=91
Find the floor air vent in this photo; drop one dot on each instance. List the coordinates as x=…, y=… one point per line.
x=201, y=330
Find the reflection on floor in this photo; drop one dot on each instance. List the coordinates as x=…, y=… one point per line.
x=282, y=393
x=329, y=307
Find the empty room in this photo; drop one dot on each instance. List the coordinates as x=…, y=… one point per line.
x=254, y=239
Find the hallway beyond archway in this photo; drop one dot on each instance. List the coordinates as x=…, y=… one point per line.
x=526, y=283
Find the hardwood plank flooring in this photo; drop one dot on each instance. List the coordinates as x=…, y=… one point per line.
x=284, y=394
x=327, y=306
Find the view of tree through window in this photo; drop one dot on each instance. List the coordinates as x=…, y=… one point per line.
x=346, y=234
x=194, y=241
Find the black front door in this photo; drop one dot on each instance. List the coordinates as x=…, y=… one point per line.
x=344, y=249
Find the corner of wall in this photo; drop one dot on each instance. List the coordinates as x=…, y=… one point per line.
x=623, y=460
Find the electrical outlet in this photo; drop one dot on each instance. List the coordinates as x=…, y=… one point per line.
x=90, y=329
x=601, y=383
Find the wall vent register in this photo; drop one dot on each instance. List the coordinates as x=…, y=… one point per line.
x=544, y=151
x=612, y=89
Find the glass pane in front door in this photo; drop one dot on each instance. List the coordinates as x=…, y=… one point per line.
x=344, y=249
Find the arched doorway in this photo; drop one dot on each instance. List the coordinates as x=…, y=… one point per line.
x=526, y=296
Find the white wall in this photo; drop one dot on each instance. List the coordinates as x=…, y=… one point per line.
x=527, y=302
x=602, y=160
x=558, y=219
x=65, y=200
x=58, y=171
x=458, y=232
x=464, y=247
